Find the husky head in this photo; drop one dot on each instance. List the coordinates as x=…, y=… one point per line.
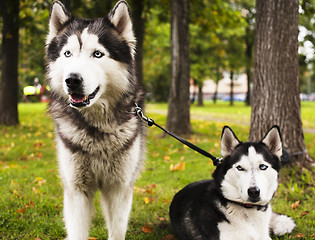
x=88, y=61
x=249, y=171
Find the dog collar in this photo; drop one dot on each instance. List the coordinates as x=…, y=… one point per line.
x=250, y=205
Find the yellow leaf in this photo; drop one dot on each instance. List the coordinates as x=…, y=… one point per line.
x=139, y=189
x=165, y=157
x=16, y=193
x=36, y=191
x=147, y=200
x=13, y=183
x=178, y=167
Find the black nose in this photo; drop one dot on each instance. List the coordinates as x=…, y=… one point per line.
x=253, y=192
x=74, y=81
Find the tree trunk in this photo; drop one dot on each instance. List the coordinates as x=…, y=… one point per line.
x=232, y=88
x=9, y=68
x=248, y=94
x=178, y=118
x=217, y=79
x=139, y=25
x=275, y=98
x=200, y=94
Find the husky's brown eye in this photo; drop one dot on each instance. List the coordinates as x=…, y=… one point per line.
x=98, y=54
x=239, y=168
x=263, y=167
x=68, y=54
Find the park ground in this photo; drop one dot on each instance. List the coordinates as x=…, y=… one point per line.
x=31, y=198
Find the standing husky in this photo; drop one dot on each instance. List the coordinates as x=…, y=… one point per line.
x=100, y=142
x=236, y=203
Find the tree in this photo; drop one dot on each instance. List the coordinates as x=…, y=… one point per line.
x=178, y=118
x=9, y=69
x=275, y=98
x=139, y=25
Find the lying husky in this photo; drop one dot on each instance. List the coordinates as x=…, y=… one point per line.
x=100, y=142
x=236, y=203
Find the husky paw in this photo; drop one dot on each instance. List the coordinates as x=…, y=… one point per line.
x=281, y=224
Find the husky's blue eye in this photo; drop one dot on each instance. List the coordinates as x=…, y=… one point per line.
x=263, y=167
x=98, y=54
x=68, y=54
x=239, y=168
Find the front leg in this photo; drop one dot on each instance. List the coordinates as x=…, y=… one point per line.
x=78, y=210
x=116, y=204
x=281, y=224
x=78, y=202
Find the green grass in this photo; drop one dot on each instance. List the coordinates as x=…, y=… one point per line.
x=31, y=198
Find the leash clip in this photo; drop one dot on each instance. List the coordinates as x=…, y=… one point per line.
x=139, y=112
x=217, y=161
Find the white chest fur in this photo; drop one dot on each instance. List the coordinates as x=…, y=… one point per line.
x=245, y=223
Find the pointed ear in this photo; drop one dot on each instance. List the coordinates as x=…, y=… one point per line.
x=58, y=16
x=228, y=141
x=273, y=141
x=120, y=18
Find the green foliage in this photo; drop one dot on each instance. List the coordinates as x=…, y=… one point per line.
x=31, y=199
x=33, y=28
x=218, y=33
x=156, y=55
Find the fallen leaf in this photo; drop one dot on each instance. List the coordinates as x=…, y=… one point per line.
x=36, y=191
x=30, y=204
x=40, y=181
x=299, y=235
x=152, y=186
x=16, y=193
x=304, y=213
x=39, y=154
x=165, y=157
x=169, y=237
x=37, y=144
x=147, y=229
x=139, y=189
x=147, y=200
x=155, y=154
x=14, y=183
x=162, y=219
x=295, y=205
x=92, y=238
x=22, y=210
x=177, y=167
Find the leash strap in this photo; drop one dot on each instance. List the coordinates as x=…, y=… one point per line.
x=216, y=160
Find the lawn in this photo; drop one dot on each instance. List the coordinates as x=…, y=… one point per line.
x=31, y=191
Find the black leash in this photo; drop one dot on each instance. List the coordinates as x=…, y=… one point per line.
x=216, y=160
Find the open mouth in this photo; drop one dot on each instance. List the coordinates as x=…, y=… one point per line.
x=78, y=100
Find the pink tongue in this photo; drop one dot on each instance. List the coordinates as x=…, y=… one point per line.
x=77, y=98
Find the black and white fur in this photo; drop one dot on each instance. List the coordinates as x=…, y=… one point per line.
x=100, y=142
x=236, y=203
